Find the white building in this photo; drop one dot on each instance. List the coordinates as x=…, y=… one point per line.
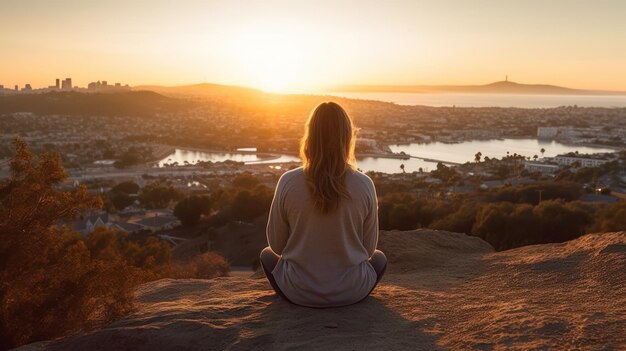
x=568, y=132
x=540, y=167
x=370, y=144
x=547, y=132
x=568, y=160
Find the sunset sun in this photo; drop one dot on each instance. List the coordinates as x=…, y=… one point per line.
x=269, y=58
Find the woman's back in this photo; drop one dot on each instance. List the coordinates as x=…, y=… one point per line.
x=323, y=223
x=324, y=255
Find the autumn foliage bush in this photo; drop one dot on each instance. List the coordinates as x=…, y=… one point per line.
x=506, y=218
x=204, y=266
x=54, y=281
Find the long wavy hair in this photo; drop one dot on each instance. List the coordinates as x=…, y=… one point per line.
x=327, y=153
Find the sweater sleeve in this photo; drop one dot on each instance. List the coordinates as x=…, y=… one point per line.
x=277, y=230
x=370, y=225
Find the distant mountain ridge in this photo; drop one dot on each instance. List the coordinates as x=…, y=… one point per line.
x=201, y=89
x=77, y=103
x=500, y=87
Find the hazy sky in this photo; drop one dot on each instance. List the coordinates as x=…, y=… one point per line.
x=300, y=45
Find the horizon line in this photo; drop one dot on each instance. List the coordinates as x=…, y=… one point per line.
x=334, y=87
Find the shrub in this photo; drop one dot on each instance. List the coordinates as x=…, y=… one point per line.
x=506, y=225
x=54, y=281
x=204, y=266
x=245, y=181
x=51, y=283
x=567, y=191
x=460, y=221
x=249, y=204
x=407, y=211
x=611, y=218
x=158, y=195
x=127, y=188
x=120, y=200
x=189, y=210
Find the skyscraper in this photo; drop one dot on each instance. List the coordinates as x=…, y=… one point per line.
x=66, y=84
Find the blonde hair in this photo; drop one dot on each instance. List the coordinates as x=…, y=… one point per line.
x=327, y=153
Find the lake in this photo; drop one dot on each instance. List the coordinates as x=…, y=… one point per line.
x=455, y=153
x=466, y=151
x=181, y=156
x=490, y=100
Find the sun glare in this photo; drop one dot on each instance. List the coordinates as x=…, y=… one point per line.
x=270, y=59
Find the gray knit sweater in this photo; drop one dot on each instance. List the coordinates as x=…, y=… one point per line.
x=324, y=257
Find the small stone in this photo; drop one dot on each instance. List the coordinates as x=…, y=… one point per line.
x=331, y=325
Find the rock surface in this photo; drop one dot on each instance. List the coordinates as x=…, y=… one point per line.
x=442, y=291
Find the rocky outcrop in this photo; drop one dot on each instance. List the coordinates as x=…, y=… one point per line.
x=442, y=291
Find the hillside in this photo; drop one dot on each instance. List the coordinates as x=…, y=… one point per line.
x=501, y=87
x=442, y=291
x=203, y=89
x=258, y=102
x=77, y=103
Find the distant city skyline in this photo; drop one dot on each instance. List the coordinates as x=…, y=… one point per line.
x=62, y=84
x=308, y=46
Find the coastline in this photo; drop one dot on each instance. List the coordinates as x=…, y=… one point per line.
x=267, y=157
x=162, y=152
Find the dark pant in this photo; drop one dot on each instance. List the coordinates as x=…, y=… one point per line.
x=269, y=259
x=379, y=262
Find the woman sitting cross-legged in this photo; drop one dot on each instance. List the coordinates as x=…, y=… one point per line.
x=323, y=224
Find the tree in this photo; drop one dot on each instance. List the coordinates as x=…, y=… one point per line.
x=120, y=194
x=401, y=218
x=158, y=195
x=611, y=218
x=564, y=190
x=506, y=225
x=249, y=204
x=560, y=221
x=189, y=210
x=478, y=156
x=120, y=200
x=246, y=181
x=127, y=187
x=128, y=158
x=460, y=221
x=444, y=173
x=50, y=282
x=53, y=280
